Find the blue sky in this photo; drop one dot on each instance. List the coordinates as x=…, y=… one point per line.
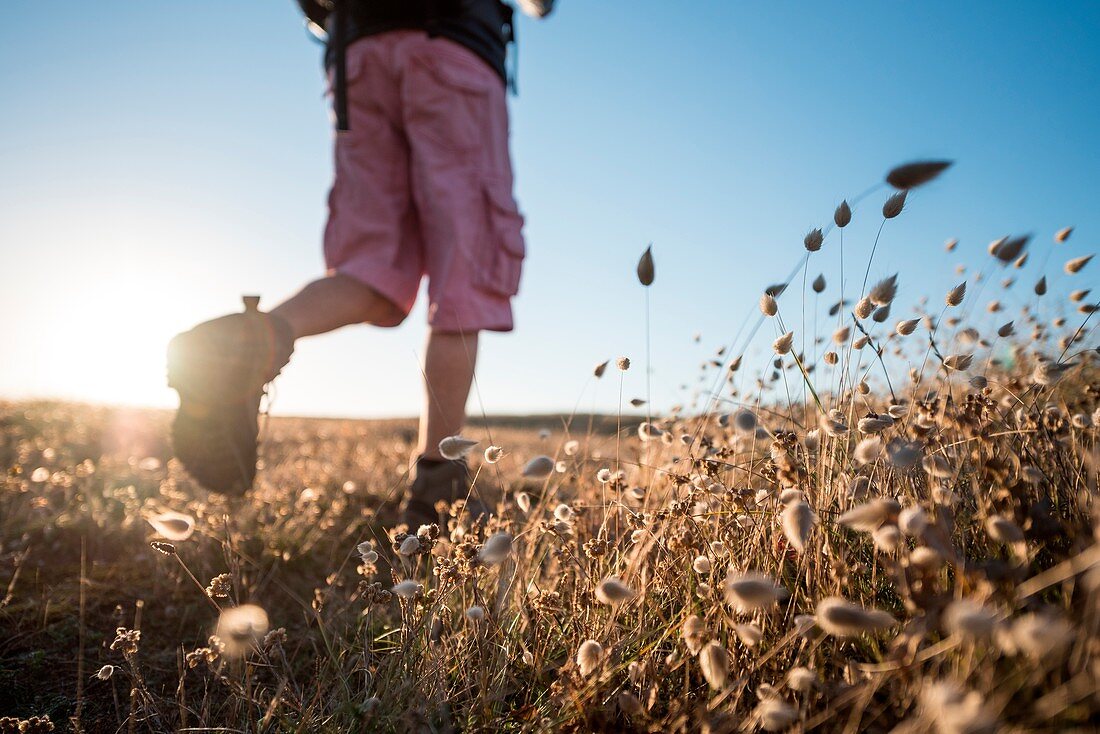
x=160, y=159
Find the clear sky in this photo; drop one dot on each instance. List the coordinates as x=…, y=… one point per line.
x=159, y=159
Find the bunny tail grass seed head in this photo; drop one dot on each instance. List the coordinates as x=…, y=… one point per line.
x=841, y=618
x=1075, y=265
x=894, y=205
x=910, y=175
x=175, y=526
x=496, y=548
x=241, y=629
x=750, y=591
x=842, y=217
x=714, y=662
x=539, y=467
x=612, y=591
x=589, y=657
x=646, y=271
x=768, y=306
x=798, y=520
x=453, y=448
x=783, y=344
x=818, y=284
x=955, y=295
x=813, y=240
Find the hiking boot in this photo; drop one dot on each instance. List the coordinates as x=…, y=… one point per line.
x=220, y=369
x=433, y=481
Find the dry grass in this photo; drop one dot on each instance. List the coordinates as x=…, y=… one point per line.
x=918, y=556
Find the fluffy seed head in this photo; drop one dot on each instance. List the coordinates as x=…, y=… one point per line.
x=867, y=517
x=612, y=591
x=907, y=327
x=894, y=205
x=783, y=344
x=589, y=657
x=910, y=175
x=751, y=591
x=768, y=306
x=798, y=520
x=776, y=714
x=969, y=619
x=175, y=526
x=714, y=662
x=539, y=467
x=493, y=454
x=646, y=270
x=693, y=632
x=884, y=291
x=241, y=628
x=496, y=548
x=843, y=215
x=456, y=447
x=1075, y=265
x=842, y=618
x=956, y=295
x=819, y=283
x=406, y=589
x=813, y=240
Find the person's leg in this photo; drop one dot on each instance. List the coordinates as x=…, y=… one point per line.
x=335, y=301
x=449, y=361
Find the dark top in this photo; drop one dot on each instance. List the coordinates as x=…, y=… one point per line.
x=483, y=26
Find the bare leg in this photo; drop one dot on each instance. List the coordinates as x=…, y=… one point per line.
x=334, y=301
x=449, y=361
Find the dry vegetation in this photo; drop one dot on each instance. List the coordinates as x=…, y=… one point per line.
x=845, y=553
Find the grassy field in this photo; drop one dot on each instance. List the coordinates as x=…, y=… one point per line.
x=891, y=527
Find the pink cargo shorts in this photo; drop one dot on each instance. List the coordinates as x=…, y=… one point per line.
x=423, y=182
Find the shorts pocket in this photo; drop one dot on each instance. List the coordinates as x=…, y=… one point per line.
x=504, y=249
x=447, y=102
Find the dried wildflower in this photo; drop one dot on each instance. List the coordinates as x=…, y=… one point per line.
x=241, y=628
x=842, y=217
x=166, y=548
x=714, y=662
x=539, y=467
x=841, y=618
x=105, y=672
x=798, y=520
x=612, y=591
x=783, y=344
x=496, y=548
x=220, y=587
x=453, y=448
x=589, y=656
x=276, y=638
x=768, y=305
x=646, y=270
x=126, y=641
x=894, y=205
x=623, y=363
x=751, y=591
x=813, y=240
x=175, y=526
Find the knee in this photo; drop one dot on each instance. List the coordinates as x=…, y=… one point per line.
x=386, y=314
